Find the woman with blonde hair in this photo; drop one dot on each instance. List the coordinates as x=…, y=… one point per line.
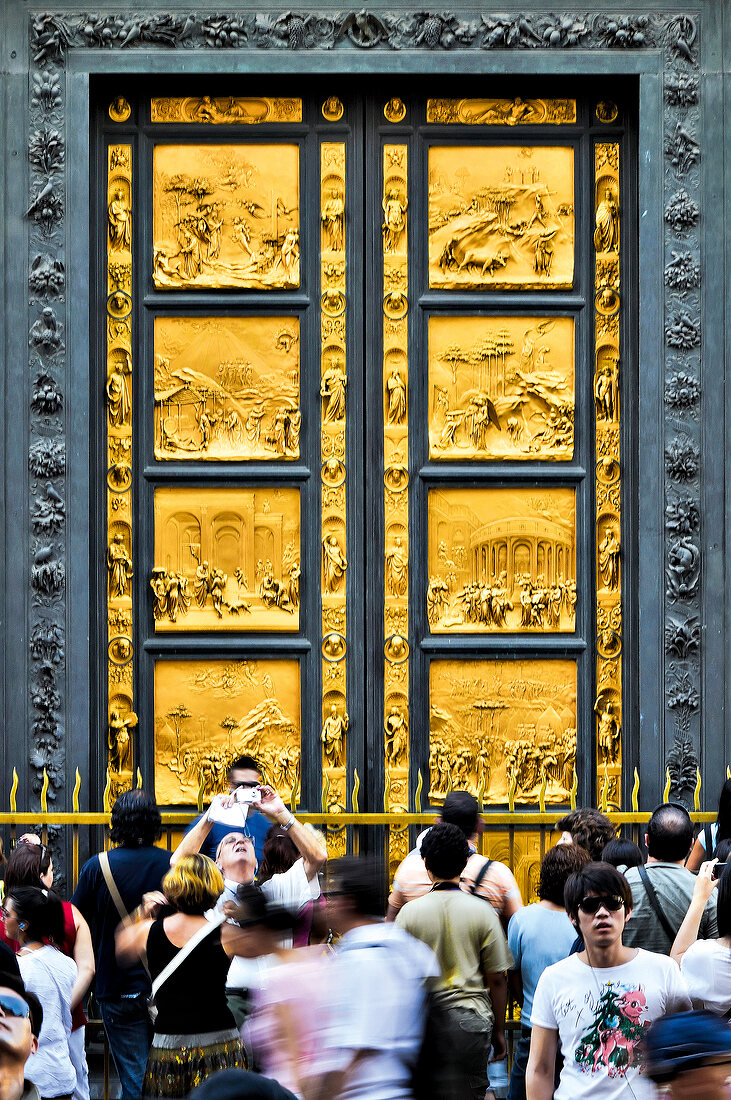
x=188, y=956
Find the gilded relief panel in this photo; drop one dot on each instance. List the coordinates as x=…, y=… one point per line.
x=501, y=112
x=226, y=110
x=501, y=387
x=207, y=713
x=501, y=217
x=501, y=560
x=505, y=730
x=227, y=388
x=226, y=559
x=226, y=216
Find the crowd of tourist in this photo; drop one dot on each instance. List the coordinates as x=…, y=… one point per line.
x=239, y=965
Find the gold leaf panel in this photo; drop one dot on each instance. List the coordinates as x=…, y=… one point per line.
x=226, y=216
x=226, y=559
x=221, y=110
x=501, y=560
x=500, y=728
x=501, y=387
x=207, y=713
x=227, y=388
x=501, y=217
x=501, y=112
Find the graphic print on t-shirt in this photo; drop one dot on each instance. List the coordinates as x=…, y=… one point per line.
x=610, y=1042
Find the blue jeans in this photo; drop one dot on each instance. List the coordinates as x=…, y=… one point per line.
x=129, y=1031
x=521, y=1051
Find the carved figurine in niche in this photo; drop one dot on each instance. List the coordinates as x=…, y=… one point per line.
x=396, y=393
x=334, y=563
x=397, y=568
x=333, y=216
x=394, y=220
x=608, y=732
x=332, y=389
x=120, y=221
x=499, y=389
x=119, y=401
x=497, y=223
x=606, y=390
x=606, y=233
x=333, y=737
x=119, y=567
x=232, y=558
x=609, y=552
x=120, y=741
x=236, y=225
x=396, y=730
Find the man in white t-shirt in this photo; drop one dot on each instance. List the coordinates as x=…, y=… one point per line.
x=596, y=1005
x=236, y=860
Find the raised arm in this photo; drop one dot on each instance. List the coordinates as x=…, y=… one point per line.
x=306, y=843
x=130, y=939
x=193, y=839
x=705, y=884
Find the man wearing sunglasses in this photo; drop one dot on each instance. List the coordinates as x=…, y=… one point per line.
x=21, y=1017
x=595, y=1006
x=244, y=774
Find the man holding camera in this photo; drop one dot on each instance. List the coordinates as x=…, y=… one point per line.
x=243, y=775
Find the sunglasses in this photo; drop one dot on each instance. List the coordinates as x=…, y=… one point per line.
x=12, y=1005
x=611, y=902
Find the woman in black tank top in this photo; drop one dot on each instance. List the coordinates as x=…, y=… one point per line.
x=195, y=1033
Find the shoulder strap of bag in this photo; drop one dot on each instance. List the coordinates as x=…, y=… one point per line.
x=480, y=875
x=185, y=950
x=652, y=898
x=117, y=898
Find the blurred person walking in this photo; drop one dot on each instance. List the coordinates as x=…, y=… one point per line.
x=663, y=888
x=689, y=1056
x=110, y=886
x=34, y=917
x=538, y=936
x=595, y=1006
x=195, y=1033
x=706, y=964
x=486, y=878
x=468, y=941
x=30, y=864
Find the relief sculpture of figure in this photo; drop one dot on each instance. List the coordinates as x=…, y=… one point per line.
x=609, y=551
x=332, y=220
x=394, y=219
x=334, y=381
x=396, y=741
x=606, y=392
x=606, y=233
x=120, y=741
x=120, y=235
x=397, y=569
x=334, y=562
x=119, y=402
x=200, y=584
x=119, y=567
x=158, y=584
x=607, y=733
x=333, y=737
x=396, y=391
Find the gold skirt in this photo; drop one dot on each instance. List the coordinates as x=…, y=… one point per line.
x=177, y=1063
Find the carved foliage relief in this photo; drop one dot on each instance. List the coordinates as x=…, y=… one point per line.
x=226, y=216
x=501, y=387
x=505, y=730
x=501, y=221
x=226, y=559
x=227, y=388
x=501, y=560
x=207, y=713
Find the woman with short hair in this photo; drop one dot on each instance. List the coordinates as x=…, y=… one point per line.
x=195, y=1033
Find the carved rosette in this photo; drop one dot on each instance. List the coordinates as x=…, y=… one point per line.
x=607, y=300
x=333, y=389
x=119, y=470
x=396, y=488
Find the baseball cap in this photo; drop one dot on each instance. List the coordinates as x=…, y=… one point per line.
x=685, y=1040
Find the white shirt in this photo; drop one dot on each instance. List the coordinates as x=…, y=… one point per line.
x=706, y=967
x=292, y=889
x=601, y=1015
x=378, y=1005
x=51, y=975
